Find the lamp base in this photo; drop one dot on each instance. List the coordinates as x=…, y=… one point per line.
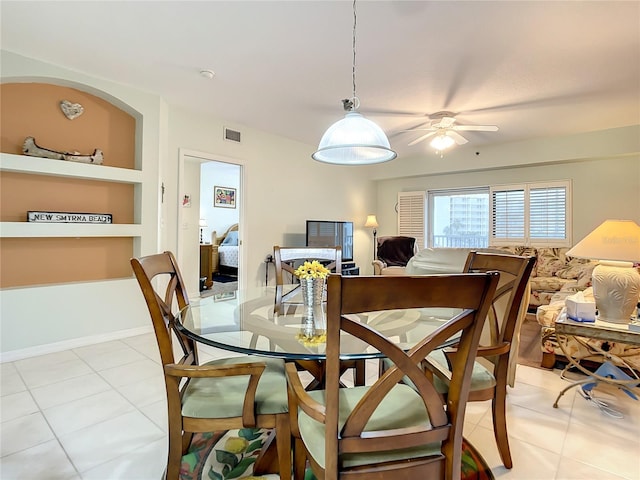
x=616, y=288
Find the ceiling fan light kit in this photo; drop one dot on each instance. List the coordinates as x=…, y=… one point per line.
x=354, y=140
x=442, y=141
x=445, y=132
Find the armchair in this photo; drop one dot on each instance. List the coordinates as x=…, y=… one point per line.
x=393, y=254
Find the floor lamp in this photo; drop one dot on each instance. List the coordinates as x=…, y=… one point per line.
x=372, y=222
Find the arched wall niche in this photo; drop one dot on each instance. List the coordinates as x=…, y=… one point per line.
x=31, y=107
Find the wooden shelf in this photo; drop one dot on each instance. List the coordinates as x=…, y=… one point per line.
x=61, y=168
x=30, y=229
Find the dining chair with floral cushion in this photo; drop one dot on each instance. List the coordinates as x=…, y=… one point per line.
x=227, y=393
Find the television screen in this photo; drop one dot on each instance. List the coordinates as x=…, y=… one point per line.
x=325, y=233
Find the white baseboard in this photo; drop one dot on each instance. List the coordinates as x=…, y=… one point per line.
x=14, y=355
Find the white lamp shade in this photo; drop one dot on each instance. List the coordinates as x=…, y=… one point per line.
x=617, y=240
x=354, y=140
x=372, y=221
x=616, y=286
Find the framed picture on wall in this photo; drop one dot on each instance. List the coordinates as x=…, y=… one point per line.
x=224, y=197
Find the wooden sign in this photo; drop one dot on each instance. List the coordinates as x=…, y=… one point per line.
x=68, y=217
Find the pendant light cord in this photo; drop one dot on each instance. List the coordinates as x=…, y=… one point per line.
x=353, y=67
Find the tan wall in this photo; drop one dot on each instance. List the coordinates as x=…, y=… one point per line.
x=33, y=109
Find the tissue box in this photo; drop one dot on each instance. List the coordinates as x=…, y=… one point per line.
x=580, y=310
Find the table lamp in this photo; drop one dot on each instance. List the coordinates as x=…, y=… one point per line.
x=203, y=225
x=372, y=222
x=616, y=284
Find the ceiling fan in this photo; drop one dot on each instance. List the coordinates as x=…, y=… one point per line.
x=443, y=126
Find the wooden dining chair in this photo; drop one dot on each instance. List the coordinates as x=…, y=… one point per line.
x=286, y=260
x=390, y=430
x=490, y=378
x=239, y=392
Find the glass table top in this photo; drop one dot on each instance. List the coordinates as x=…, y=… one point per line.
x=249, y=322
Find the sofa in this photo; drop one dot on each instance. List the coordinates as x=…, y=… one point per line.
x=552, y=273
x=431, y=261
x=554, y=277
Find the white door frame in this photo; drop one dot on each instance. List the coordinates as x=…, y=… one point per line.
x=186, y=223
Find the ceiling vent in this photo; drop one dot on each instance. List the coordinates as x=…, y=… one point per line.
x=231, y=135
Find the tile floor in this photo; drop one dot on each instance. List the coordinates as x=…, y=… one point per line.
x=98, y=412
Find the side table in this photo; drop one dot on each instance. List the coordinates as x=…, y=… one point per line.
x=629, y=334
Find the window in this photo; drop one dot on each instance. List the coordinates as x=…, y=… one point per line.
x=459, y=218
x=524, y=214
x=531, y=214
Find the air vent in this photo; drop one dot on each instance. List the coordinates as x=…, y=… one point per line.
x=231, y=135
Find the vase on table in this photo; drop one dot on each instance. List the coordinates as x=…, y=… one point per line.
x=312, y=291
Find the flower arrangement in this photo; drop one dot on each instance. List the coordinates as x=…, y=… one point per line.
x=309, y=270
x=312, y=340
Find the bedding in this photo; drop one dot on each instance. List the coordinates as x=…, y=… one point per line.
x=227, y=250
x=228, y=255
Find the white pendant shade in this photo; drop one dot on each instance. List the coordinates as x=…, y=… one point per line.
x=354, y=140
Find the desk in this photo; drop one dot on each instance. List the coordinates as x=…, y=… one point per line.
x=248, y=324
x=600, y=330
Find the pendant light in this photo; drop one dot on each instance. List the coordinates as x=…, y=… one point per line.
x=354, y=140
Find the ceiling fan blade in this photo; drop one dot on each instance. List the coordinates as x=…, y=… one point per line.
x=459, y=139
x=428, y=129
x=421, y=138
x=476, y=128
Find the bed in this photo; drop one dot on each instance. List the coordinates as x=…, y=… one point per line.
x=225, y=251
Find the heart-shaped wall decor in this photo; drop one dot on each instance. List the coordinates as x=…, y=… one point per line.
x=71, y=110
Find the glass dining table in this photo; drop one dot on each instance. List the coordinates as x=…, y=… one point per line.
x=250, y=322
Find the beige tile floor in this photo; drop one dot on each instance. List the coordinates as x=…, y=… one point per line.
x=98, y=412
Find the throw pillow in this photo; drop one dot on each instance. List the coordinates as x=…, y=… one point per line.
x=575, y=267
x=550, y=260
x=231, y=239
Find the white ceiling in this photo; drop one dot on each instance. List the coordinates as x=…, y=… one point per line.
x=535, y=69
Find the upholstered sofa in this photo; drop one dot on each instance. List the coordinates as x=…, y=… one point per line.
x=430, y=261
x=552, y=273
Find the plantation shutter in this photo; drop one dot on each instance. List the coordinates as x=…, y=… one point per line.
x=508, y=215
x=548, y=214
x=411, y=208
x=532, y=214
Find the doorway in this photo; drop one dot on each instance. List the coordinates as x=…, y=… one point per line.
x=211, y=193
x=219, y=226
